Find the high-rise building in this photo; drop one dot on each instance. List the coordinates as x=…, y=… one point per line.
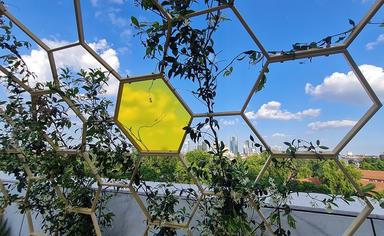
x=246, y=148
x=234, y=146
x=204, y=146
x=188, y=146
x=247, y=143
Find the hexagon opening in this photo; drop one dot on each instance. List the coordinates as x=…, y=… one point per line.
x=152, y=115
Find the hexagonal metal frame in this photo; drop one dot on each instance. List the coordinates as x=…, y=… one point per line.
x=340, y=49
x=5, y=198
x=31, y=179
x=152, y=77
x=175, y=225
x=294, y=56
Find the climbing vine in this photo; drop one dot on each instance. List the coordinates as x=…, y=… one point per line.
x=38, y=123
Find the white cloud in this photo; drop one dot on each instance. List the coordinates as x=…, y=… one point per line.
x=75, y=58
x=346, y=87
x=372, y=45
x=94, y=3
x=279, y=135
x=229, y=122
x=105, y=10
x=118, y=20
x=37, y=62
x=251, y=115
x=123, y=50
x=277, y=148
x=331, y=124
x=115, y=18
x=117, y=1
x=114, y=15
x=126, y=34
x=272, y=111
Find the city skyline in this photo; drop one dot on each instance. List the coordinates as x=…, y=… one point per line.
x=248, y=149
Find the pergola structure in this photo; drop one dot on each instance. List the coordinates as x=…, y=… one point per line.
x=178, y=114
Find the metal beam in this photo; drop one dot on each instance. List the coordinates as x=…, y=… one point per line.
x=367, y=18
x=315, y=52
x=212, y=114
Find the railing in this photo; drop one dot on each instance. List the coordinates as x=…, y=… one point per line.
x=129, y=220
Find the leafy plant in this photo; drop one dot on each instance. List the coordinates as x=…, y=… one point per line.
x=4, y=229
x=187, y=52
x=38, y=133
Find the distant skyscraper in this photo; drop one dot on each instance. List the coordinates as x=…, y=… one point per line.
x=204, y=146
x=188, y=146
x=246, y=148
x=247, y=143
x=234, y=146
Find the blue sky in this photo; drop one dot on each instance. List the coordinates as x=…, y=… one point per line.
x=313, y=100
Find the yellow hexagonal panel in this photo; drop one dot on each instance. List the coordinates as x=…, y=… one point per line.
x=152, y=115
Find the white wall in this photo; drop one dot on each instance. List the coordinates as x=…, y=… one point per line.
x=130, y=221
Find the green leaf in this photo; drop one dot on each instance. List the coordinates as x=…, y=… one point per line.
x=296, y=46
x=210, y=49
x=229, y=71
x=134, y=21
x=4, y=229
x=351, y=22
x=367, y=188
x=170, y=59
x=262, y=82
x=349, y=199
x=222, y=145
x=207, y=142
x=249, y=52
x=291, y=221
x=313, y=45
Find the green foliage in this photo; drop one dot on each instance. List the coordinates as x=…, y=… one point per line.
x=160, y=169
x=215, y=212
x=163, y=197
x=4, y=229
x=38, y=127
x=372, y=164
x=192, y=56
x=169, y=169
x=200, y=164
x=334, y=179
